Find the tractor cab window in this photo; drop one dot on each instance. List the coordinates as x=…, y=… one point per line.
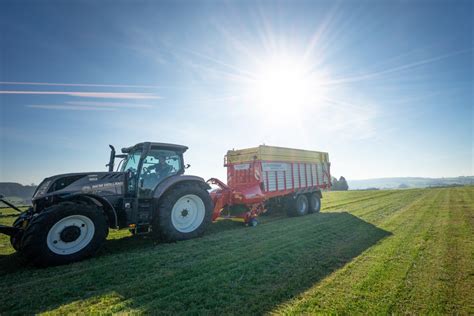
x=130, y=166
x=158, y=165
x=131, y=162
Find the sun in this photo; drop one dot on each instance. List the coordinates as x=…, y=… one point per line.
x=283, y=84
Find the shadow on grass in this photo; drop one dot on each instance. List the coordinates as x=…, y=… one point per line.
x=10, y=263
x=244, y=270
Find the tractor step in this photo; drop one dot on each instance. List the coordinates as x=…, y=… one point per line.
x=142, y=229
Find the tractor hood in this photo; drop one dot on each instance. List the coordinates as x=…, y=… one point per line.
x=98, y=183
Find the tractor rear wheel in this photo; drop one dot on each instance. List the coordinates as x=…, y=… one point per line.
x=64, y=233
x=183, y=212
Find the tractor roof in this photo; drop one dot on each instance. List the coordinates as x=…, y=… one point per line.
x=175, y=147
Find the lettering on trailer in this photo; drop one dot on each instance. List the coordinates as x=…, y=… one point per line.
x=243, y=166
x=275, y=166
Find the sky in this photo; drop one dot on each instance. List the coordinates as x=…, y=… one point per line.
x=385, y=87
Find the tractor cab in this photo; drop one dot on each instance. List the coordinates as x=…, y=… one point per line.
x=148, y=164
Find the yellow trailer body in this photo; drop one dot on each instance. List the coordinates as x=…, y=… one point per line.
x=273, y=153
x=279, y=169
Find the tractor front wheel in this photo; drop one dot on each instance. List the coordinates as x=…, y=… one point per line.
x=15, y=240
x=183, y=212
x=64, y=233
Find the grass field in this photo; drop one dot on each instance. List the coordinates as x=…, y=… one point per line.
x=401, y=251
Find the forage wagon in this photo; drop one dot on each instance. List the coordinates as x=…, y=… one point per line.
x=268, y=177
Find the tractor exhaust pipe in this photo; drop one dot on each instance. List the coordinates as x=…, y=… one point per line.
x=112, y=159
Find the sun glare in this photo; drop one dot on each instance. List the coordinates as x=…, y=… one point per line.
x=284, y=83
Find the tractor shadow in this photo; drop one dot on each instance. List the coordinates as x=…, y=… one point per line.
x=123, y=243
x=232, y=269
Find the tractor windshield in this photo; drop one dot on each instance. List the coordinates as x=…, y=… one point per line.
x=131, y=162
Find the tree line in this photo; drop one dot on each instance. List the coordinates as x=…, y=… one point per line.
x=339, y=185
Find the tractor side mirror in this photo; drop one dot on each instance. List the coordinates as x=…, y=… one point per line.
x=187, y=166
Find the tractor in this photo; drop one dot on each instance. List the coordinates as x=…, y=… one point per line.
x=148, y=194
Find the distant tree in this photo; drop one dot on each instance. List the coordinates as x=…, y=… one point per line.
x=403, y=186
x=339, y=185
x=343, y=186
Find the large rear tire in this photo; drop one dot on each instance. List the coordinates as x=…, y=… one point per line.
x=64, y=233
x=184, y=212
x=299, y=207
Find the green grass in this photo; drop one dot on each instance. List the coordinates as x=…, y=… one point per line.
x=401, y=251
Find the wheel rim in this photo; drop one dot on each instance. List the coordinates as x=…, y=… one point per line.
x=302, y=205
x=70, y=234
x=188, y=213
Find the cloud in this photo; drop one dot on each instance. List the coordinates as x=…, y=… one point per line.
x=78, y=85
x=104, y=95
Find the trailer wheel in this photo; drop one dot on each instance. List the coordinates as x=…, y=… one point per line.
x=314, y=203
x=184, y=212
x=299, y=206
x=64, y=233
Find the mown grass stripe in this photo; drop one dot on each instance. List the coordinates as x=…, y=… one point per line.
x=343, y=260
x=366, y=283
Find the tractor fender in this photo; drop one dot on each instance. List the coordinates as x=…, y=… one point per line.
x=171, y=181
x=99, y=201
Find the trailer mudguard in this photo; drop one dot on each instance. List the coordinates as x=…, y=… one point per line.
x=171, y=181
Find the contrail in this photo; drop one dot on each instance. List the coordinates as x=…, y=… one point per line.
x=77, y=85
x=106, y=95
x=109, y=104
x=68, y=107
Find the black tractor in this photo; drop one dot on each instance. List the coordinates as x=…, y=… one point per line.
x=149, y=194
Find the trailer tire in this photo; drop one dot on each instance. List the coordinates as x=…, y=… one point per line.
x=300, y=206
x=64, y=233
x=184, y=212
x=314, y=203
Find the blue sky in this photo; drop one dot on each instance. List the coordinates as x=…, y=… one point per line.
x=386, y=87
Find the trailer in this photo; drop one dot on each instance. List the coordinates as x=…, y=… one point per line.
x=266, y=177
